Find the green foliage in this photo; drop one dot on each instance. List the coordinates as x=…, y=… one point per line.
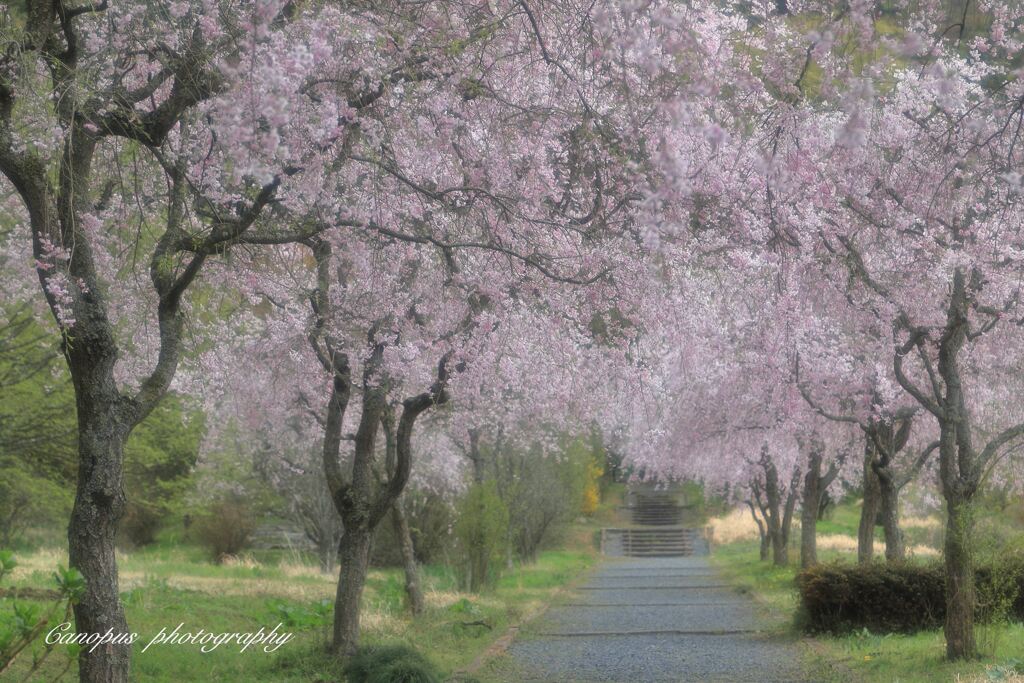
x=70, y=583
x=38, y=442
x=29, y=500
x=543, y=493
x=900, y=597
x=481, y=528
x=159, y=457
x=25, y=622
x=38, y=433
x=1000, y=598
x=391, y=664
x=464, y=606
x=7, y=563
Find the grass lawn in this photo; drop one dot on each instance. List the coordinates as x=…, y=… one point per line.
x=866, y=657
x=164, y=586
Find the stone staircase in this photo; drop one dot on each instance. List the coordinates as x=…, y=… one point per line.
x=656, y=527
x=656, y=509
x=666, y=541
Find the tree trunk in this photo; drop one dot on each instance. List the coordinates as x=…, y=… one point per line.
x=824, y=505
x=476, y=457
x=354, y=556
x=99, y=504
x=779, y=516
x=761, y=531
x=809, y=512
x=889, y=498
x=869, y=508
x=780, y=550
x=773, y=518
x=413, y=590
x=960, y=598
x=104, y=422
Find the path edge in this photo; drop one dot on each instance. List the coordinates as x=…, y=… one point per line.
x=502, y=643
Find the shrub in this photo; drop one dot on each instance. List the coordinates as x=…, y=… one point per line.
x=26, y=623
x=391, y=664
x=225, y=529
x=482, y=528
x=139, y=525
x=901, y=597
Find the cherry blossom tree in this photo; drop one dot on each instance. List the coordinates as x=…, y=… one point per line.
x=903, y=176
x=80, y=86
x=242, y=116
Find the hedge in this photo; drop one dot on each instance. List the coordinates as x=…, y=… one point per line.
x=899, y=597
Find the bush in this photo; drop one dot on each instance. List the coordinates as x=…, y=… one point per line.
x=900, y=597
x=139, y=525
x=481, y=527
x=391, y=664
x=544, y=493
x=225, y=529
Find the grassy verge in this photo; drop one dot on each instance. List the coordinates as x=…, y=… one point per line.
x=865, y=657
x=164, y=586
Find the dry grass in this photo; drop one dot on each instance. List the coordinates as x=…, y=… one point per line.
x=300, y=569
x=738, y=525
x=42, y=560
x=213, y=585
x=245, y=561
x=912, y=522
x=735, y=526
x=382, y=623
x=921, y=550
x=441, y=599
x=848, y=544
x=840, y=542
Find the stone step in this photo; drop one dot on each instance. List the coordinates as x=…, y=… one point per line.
x=656, y=512
x=666, y=541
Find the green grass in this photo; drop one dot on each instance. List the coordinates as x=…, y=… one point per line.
x=167, y=584
x=865, y=657
x=919, y=658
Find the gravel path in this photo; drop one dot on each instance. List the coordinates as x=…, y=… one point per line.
x=647, y=620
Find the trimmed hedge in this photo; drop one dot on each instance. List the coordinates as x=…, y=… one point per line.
x=899, y=597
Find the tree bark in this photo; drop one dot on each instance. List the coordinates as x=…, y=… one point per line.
x=779, y=514
x=869, y=508
x=354, y=556
x=809, y=512
x=361, y=498
x=413, y=589
x=960, y=464
x=99, y=504
x=476, y=457
x=889, y=505
x=761, y=531
x=960, y=595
